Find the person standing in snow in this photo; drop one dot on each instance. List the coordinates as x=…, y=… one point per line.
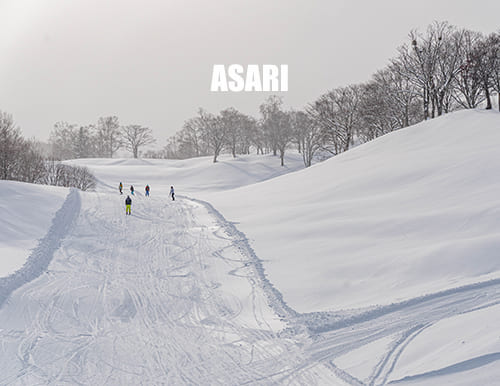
x=147, y=190
x=172, y=193
x=128, y=205
x=131, y=190
x=120, y=187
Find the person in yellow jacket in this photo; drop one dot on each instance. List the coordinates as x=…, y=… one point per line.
x=128, y=205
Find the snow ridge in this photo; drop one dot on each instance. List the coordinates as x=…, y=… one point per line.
x=319, y=322
x=41, y=256
x=455, y=368
x=274, y=296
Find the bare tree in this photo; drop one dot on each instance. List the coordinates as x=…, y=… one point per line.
x=269, y=111
x=85, y=142
x=469, y=79
x=10, y=146
x=83, y=179
x=277, y=126
x=109, y=136
x=20, y=160
x=233, y=121
x=495, y=55
x=62, y=140
x=59, y=174
x=284, y=135
x=308, y=134
x=259, y=138
x=490, y=65
x=214, y=132
x=191, y=140
x=249, y=131
x=136, y=136
x=431, y=64
x=31, y=164
x=338, y=114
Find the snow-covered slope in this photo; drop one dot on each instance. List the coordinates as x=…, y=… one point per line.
x=27, y=211
x=411, y=213
x=189, y=176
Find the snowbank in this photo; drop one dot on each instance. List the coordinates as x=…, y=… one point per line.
x=411, y=213
x=27, y=213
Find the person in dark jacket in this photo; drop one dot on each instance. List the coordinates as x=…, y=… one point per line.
x=132, y=190
x=128, y=205
x=147, y=190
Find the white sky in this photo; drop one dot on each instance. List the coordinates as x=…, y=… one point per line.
x=150, y=62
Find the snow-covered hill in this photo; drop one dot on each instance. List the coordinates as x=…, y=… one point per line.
x=411, y=213
x=190, y=176
x=27, y=211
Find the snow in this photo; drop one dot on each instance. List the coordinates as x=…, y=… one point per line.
x=165, y=295
x=362, y=361
x=411, y=213
x=377, y=266
x=27, y=212
x=189, y=176
x=460, y=343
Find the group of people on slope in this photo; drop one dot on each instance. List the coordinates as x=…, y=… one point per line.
x=128, y=200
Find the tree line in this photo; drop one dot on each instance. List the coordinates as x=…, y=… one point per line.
x=437, y=71
x=23, y=160
x=101, y=140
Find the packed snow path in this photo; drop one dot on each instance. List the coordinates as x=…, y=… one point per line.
x=162, y=296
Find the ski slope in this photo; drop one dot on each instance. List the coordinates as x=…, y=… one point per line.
x=162, y=296
x=378, y=266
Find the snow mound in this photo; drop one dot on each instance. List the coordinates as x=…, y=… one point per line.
x=412, y=213
x=27, y=213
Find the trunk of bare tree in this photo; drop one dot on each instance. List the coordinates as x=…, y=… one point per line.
x=426, y=104
x=439, y=103
x=488, y=97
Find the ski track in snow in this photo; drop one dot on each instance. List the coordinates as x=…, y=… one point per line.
x=174, y=294
x=146, y=299
x=41, y=256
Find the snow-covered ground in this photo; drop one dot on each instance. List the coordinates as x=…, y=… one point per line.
x=164, y=296
x=380, y=265
x=409, y=214
x=27, y=211
x=190, y=176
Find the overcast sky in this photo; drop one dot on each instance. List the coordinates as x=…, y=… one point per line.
x=150, y=62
